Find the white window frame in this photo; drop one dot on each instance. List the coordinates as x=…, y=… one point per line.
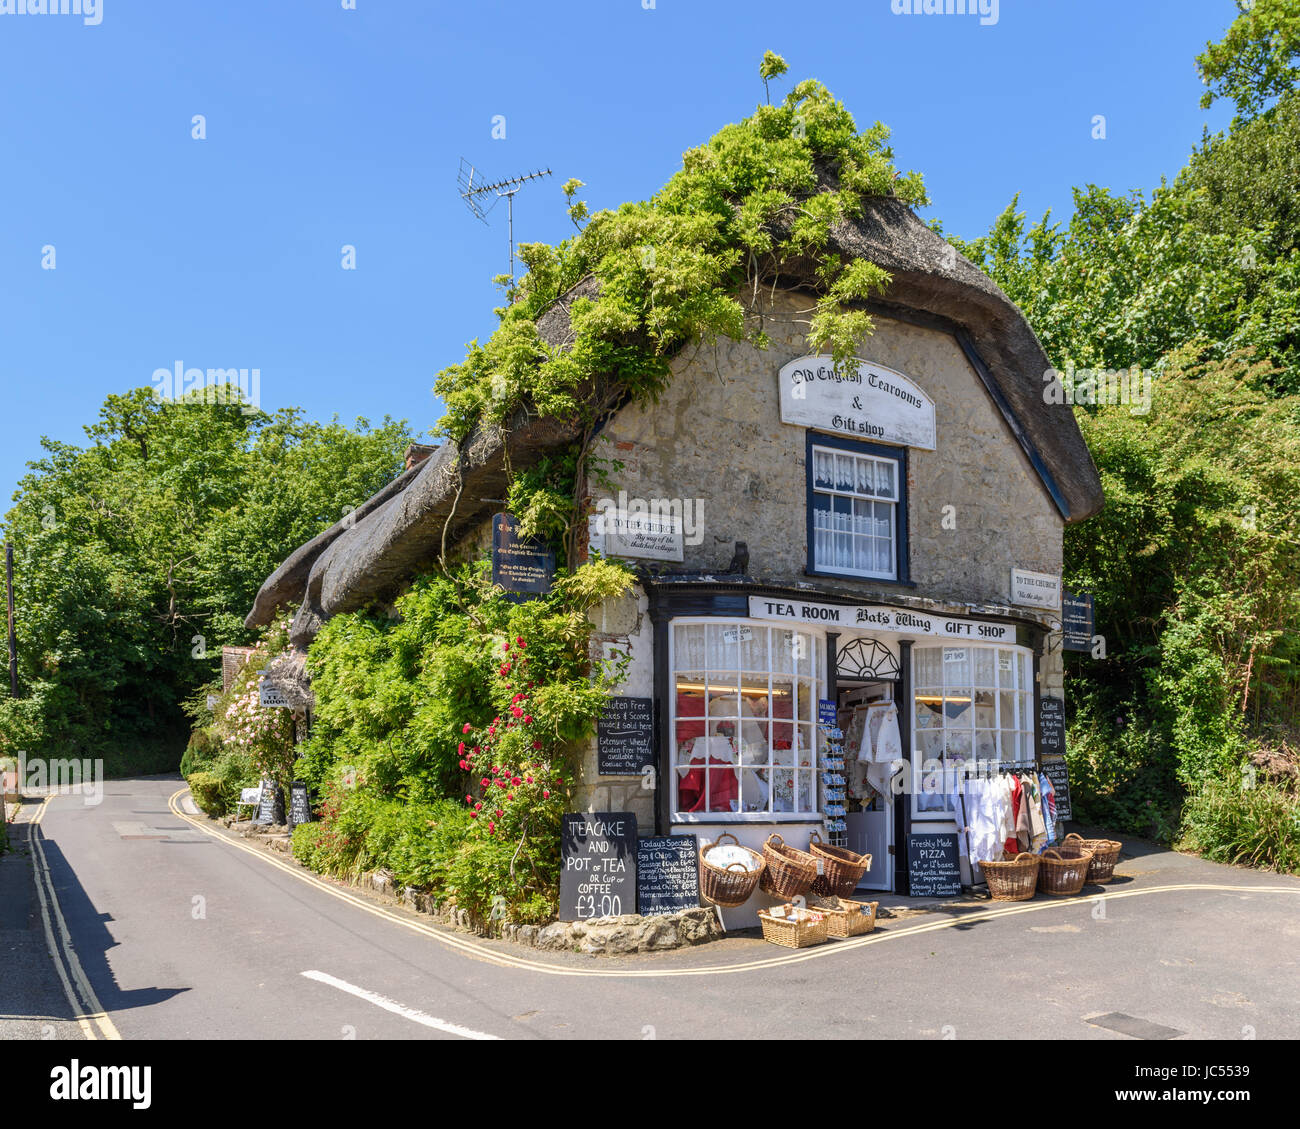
x=1024, y=662
x=817, y=642
x=895, y=465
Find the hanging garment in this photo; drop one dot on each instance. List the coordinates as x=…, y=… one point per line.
x=1049, y=806
x=990, y=805
x=1034, y=806
x=724, y=786
x=1012, y=842
x=855, y=731
x=1024, y=826
x=886, y=738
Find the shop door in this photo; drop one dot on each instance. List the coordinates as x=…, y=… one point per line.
x=869, y=823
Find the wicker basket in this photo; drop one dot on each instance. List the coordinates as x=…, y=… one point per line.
x=842, y=869
x=1011, y=878
x=1063, y=874
x=1105, y=854
x=729, y=886
x=791, y=932
x=846, y=918
x=788, y=873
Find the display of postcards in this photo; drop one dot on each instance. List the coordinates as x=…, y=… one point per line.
x=833, y=734
x=836, y=825
x=834, y=809
x=835, y=763
x=829, y=778
x=833, y=793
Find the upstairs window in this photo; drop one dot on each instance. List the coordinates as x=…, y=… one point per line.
x=857, y=512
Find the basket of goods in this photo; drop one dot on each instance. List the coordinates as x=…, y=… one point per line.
x=1105, y=854
x=788, y=873
x=1013, y=878
x=729, y=872
x=846, y=918
x=793, y=927
x=1062, y=873
x=842, y=869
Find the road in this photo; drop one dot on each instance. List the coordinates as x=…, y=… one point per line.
x=178, y=930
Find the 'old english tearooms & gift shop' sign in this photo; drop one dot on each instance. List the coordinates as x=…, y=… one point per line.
x=868, y=402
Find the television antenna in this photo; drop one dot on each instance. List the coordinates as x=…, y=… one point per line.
x=474, y=194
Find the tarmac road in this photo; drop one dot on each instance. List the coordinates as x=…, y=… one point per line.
x=176, y=929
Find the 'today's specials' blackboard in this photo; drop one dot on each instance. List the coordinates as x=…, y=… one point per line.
x=1051, y=727
x=932, y=866
x=625, y=737
x=1059, y=774
x=597, y=865
x=299, y=804
x=667, y=874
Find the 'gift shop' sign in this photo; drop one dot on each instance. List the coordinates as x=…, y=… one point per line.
x=872, y=403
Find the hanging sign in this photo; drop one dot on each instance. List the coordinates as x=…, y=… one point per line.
x=270, y=695
x=870, y=402
x=932, y=866
x=1059, y=774
x=597, y=865
x=519, y=565
x=1077, y=622
x=1051, y=727
x=1036, y=590
x=667, y=874
x=625, y=737
x=898, y=620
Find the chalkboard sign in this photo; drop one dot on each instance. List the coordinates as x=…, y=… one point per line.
x=597, y=865
x=625, y=737
x=271, y=809
x=932, y=866
x=299, y=804
x=667, y=874
x=1076, y=622
x=1051, y=727
x=1057, y=772
x=521, y=566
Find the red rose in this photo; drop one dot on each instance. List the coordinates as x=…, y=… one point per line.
x=520, y=641
x=473, y=815
x=500, y=813
x=469, y=799
x=464, y=764
x=460, y=749
x=527, y=720
x=546, y=795
x=485, y=782
x=467, y=727
x=478, y=806
x=491, y=826
x=530, y=780
x=537, y=744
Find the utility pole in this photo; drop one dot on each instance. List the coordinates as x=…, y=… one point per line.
x=13, y=637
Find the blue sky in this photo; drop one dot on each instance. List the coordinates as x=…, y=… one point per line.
x=327, y=126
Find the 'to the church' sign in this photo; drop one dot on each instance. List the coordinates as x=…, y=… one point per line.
x=872, y=403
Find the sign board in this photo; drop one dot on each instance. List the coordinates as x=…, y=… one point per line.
x=299, y=804
x=271, y=809
x=872, y=402
x=654, y=533
x=597, y=865
x=1059, y=774
x=899, y=620
x=1036, y=590
x=667, y=874
x=932, y=866
x=826, y=712
x=1077, y=622
x=251, y=796
x=519, y=565
x=1051, y=727
x=625, y=737
x=269, y=694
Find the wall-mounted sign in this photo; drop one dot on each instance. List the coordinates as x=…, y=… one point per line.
x=1056, y=771
x=897, y=620
x=872, y=403
x=597, y=865
x=625, y=737
x=932, y=866
x=270, y=695
x=1051, y=727
x=1036, y=590
x=649, y=535
x=519, y=565
x=667, y=874
x=1077, y=622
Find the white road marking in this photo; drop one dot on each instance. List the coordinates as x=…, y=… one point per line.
x=189, y=806
x=398, y=1009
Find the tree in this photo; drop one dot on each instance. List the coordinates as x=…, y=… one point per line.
x=1255, y=61
x=772, y=66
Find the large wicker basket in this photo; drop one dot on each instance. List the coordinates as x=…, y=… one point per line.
x=845, y=918
x=842, y=869
x=1105, y=854
x=794, y=932
x=1062, y=873
x=788, y=873
x=733, y=885
x=1011, y=878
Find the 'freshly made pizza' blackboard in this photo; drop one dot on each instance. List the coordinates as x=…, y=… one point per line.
x=1057, y=772
x=1051, y=727
x=521, y=566
x=625, y=737
x=597, y=865
x=299, y=804
x=932, y=866
x=667, y=874
x=271, y=809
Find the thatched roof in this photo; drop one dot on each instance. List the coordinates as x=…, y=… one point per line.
x=401, y=529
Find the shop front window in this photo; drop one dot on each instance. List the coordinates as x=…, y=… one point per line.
x=744, y=712
x=972, y=703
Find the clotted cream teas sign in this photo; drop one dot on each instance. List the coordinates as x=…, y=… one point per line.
x=871, y=402
x=898, y=620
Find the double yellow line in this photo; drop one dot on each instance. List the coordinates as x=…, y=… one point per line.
x=86, y=1008
x=478, y=950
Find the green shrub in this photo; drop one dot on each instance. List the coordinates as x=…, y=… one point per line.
x=202, y=750
x=208, y=793
x=1229, y=821
x=306, y=837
